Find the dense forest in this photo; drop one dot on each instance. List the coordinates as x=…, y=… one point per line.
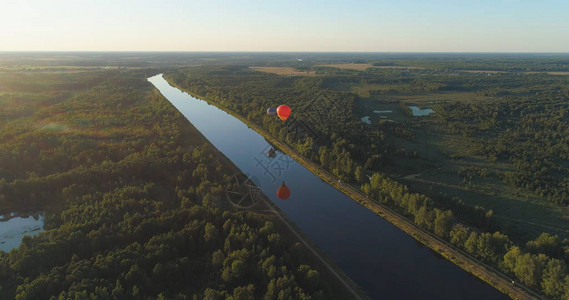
x=133, y=197
x=523, y=125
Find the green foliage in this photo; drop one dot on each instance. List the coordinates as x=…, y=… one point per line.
x=443, y=223
x=539, y=271
x=458, y=235
x=554, y=278
x=547, y=244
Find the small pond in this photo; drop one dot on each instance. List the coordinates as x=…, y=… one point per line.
x=419, y=112
x=366, y=120
x=14, y=226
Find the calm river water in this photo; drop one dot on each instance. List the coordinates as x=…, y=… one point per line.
x=383, y=260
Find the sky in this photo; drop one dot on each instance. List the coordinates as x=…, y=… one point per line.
x=285, y=25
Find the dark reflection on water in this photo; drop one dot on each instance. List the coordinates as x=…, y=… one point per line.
x=386, y=262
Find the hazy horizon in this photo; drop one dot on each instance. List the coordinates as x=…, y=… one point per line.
x=286, y=26
x=279, y=52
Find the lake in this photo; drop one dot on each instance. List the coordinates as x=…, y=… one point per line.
x=382, y=259
x=366, y=120
x=13, y=227
x=418, y=112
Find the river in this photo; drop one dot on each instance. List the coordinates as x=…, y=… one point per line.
x=382, y=259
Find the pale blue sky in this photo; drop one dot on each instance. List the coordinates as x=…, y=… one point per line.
x=279, y=25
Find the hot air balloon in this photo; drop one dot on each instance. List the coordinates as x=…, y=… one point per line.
x=283, y=192
x=283, y=111
x=272, y=153
x=271, y=111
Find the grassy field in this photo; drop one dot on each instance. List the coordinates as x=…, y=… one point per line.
x=367, y=104
x=357, y=67
x=362, y=67
x=521, y=214
x=363, y=90
x=398, y=67
x=286, y=71
x=503, y=72
x=440, y=97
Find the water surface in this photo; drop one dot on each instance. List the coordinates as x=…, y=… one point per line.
x=13, y=227
x=419, y=112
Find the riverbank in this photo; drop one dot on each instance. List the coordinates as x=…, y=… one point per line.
x=331, y=271
x=499, y=281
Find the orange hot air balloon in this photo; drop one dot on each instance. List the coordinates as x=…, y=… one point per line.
x=283, y=111
x=283, y=192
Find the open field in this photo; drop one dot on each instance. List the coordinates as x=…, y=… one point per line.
x=366, y=107
x=357, y=67
x=367, y=103
x=485, y=71
x=521, y=214
x=504, y=72
x=549, y=73
x=283, y=71
x=362, y=67
x=430, y=98
x=57, y=69
x=399, y=67
x=363, y=90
